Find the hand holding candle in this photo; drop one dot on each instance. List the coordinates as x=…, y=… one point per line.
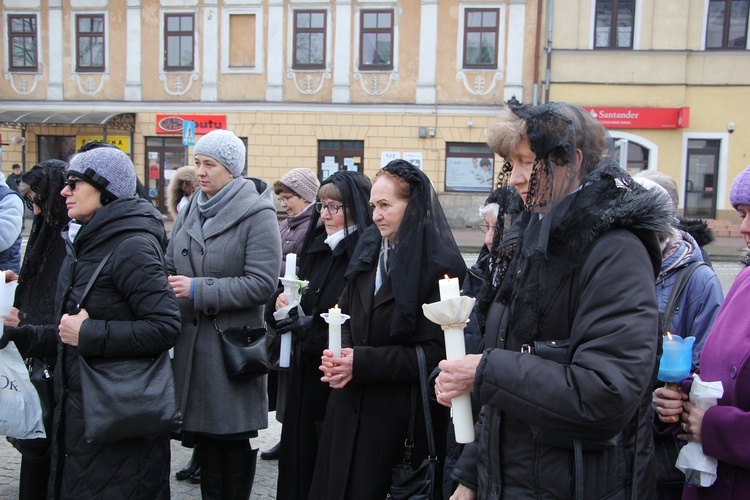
x=335, y=319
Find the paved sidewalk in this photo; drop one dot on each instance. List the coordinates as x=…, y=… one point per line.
x=263, y=488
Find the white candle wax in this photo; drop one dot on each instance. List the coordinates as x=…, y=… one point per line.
x=449, y=288
x=291, y=265
x=463, y=421
x=285, y=350
x=334, y=331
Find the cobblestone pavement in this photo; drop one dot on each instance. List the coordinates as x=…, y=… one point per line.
x=263, y=488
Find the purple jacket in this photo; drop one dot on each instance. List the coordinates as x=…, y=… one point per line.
x=726, y=427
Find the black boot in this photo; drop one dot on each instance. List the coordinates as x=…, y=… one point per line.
x=190, y=468
x=212, y=473
x=272, y=454
x=239, y=473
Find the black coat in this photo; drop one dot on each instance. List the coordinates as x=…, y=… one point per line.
x=132, y=312
x=308, y=396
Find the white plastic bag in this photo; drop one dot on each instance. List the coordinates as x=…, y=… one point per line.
x=20, y=409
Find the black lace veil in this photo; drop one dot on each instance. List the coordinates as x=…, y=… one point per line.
x=425, y=250
x=45, y=248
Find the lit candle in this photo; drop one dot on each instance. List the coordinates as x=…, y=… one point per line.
x=676, y=359
x=449, y=288
x=334, y=330
x=291, y=265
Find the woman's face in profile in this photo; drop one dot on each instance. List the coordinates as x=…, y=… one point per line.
x=387, y=207
x=81, y=199
x=212, y=175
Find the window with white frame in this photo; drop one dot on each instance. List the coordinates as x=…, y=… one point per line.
x=376, y=40
x=22, y=42
x=179, y=35
x=727, y=24
x=481, y=28
x=90, y=42
x=614, y=24
x=309, y=39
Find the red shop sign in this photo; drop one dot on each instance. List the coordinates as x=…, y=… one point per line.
x=641, y=117
x=172, y=124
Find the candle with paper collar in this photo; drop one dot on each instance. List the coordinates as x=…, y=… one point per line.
x=449, y=288
x=334, y=330
x=291, y=266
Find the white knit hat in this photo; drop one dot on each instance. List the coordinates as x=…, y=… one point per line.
x=224, y=147
x=108, y=169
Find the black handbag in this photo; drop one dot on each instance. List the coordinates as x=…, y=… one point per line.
x=419, y=483
x=125, y=398
x=244, y=350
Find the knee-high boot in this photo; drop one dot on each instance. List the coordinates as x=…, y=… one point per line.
x=212, y=473
x=239, y=473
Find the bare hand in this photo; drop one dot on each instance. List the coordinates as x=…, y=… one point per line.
x=456, y=377
x=11, y=319
x=463, y=493
x=337, y=371
x=180, y=285
x=10, y=276
x=281, y=301
x=692, y=421
x=668, y=404
x=70, y=327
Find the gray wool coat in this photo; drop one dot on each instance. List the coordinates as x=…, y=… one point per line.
x=236, y=263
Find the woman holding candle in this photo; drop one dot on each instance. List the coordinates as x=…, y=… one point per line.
x=722, y=430
x=341, y=214
x=395, y=269
x=583, y=273
x=224, y=259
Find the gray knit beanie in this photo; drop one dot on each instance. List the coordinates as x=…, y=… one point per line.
x=740, y=192
x=303, y=182
x=107, y=169
x=224, y=147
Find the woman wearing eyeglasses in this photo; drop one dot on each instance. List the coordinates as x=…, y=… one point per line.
x=340, y=216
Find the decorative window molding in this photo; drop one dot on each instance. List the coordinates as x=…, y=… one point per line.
x=378, y=82
x=87, y=85
x=23, y=84
x=175, y=80
x=477, y=81
x=479, y=86
x=372, y=83
x=304, y=79
x=308, y=81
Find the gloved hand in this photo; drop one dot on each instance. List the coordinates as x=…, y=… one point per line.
x=286, y=325
x=10, y=333
x=302, y=328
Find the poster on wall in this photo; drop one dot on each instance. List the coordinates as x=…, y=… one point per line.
x=469, y=174
x=388, y=156
x=414, y=158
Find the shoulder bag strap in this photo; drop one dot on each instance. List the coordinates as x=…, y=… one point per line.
x=95, y=275
x=426, y=402
x=683, y=276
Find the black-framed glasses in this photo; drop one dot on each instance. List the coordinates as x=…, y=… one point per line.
x=484, y=227
x=333, y=208
x=71, y=183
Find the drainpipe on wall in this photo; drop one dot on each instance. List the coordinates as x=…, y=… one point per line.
x=550, y=7
x=537, y=49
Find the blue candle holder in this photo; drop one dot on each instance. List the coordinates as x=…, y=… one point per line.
x=676, y=358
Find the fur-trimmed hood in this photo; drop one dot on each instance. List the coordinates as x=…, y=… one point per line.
x=174, y=190
x=698, y=229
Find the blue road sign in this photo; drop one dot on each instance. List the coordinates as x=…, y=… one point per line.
x=188, y=133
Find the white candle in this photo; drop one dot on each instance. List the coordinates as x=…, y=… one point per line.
x=334, y=330
x=291, y=265
x=285, y=350
x=449, y=288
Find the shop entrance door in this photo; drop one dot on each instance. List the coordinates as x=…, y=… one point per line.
x=701, y=177
x=339, y=155
x=163, y=156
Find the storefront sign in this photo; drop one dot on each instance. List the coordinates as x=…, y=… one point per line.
x=641, y=117
x=122, y=142
x=172, y=124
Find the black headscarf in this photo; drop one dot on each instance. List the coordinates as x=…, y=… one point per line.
x=45, y=249
x=355, y=196
x=424, y=252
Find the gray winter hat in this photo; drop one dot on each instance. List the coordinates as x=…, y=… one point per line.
x=224, y=147
x=108, y=169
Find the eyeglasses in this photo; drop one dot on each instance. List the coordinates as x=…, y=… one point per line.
x=71, y=183
x=285, y=199
x=484, y=227
x=333, y=208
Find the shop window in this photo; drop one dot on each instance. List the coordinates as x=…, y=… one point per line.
x=22, y=43
x=614, y=24
x=376, y=40
x=727, y=24
x=309, y=39
x=179, y=33
x=90, y=43
x=469, y=167
x=481, y=27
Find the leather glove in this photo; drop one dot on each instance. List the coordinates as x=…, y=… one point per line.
x=302, y=328
x=286, y=325
x=10, y=333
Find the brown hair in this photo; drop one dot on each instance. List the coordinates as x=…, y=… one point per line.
x=330, y=191
x=402, y=187
x=279, y=187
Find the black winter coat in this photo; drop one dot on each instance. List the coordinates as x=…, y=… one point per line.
x=132, y=312
x=308, y=396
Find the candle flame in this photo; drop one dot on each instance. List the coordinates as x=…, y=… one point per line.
x=447, y=277
x=670, y=336
x=336, y=306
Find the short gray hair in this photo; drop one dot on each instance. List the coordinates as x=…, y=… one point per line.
x=665, y=181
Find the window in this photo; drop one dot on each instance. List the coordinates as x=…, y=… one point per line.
x=339, y=155
x=614, y=24
x=90, y=42
x=376, y=39
x=22, y=43
x=56, y=147
x=469, y=167
x=727, y=24
x=178, y=42
x=480, y=38
x=242, y=40
x=309, y=39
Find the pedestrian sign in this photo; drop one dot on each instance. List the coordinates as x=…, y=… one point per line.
x=188, y=133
